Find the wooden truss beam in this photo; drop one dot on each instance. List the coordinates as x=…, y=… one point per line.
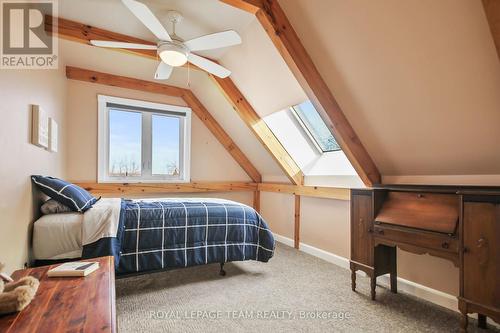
x=80, y=74
x=260, y=129
x=110, y=189
x=83, y=33
x=222, y=136
x=256, y=201
x=296, y=232
x=135, y=189
x=190, y=99
x=273, y=19
x=307, y=191
x=492, y=10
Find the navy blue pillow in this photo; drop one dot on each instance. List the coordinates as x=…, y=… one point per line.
x=70, y=195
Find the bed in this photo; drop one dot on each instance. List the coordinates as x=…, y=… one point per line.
x=154, y=234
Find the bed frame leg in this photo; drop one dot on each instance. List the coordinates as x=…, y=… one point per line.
x=222, y=272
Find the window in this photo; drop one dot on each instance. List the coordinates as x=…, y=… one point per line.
x=142, y=141
x=315, y=127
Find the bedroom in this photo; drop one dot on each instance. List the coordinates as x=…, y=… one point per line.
x=354, y=141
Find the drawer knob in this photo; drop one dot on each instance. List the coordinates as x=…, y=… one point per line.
x=445, y=245
x=380, y=232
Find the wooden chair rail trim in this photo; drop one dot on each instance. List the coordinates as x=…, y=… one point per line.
x=110, y=189
x=113, y=189
x=275, y=22
x=337, y=193
x=191, y=100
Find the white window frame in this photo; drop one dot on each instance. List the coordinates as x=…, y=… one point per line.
x=184, y=114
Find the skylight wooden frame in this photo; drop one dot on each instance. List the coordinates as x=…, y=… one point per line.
x=274, y=21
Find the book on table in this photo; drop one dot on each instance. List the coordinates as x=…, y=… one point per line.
x=71, y=269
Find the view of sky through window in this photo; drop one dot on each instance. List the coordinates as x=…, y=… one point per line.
x=165, y=145
x=125, y=137
x=316, y=126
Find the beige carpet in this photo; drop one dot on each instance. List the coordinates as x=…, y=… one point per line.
x=293, y=292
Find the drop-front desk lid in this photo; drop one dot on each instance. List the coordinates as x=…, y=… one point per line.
x=426, y=211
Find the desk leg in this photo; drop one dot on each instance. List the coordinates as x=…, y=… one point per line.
x=394, y=271
x=394, y=283
x=464, y=321
x=353, y=280
x=481, y=321
x=373, y=285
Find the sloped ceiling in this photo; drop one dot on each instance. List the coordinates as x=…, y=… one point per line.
x=419, y=80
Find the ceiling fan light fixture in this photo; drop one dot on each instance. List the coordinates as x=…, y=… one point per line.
x=173, y=54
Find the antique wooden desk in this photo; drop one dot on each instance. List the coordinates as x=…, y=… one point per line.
x=68, y=304
x=461, y=224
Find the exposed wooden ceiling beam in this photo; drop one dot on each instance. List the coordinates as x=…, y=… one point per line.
x=260, y=129
x=251, y=6
x=492, y=10
x=83, y=33
x=190, y=99
x=87, y=75
x=276, y=24
x=209, y=121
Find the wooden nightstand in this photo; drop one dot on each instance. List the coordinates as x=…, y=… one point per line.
x=68, y=304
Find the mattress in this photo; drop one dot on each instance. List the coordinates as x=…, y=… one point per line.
x=58, y=236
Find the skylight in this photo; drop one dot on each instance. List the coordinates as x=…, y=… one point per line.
x=315, y=127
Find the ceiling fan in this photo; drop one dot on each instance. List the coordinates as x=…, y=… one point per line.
x=173, y=51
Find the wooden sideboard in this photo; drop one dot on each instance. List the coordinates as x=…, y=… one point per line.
x=460, y=224
x=69, y=304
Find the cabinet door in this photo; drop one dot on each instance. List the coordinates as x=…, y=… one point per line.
x=361, y=222
x=481, y=260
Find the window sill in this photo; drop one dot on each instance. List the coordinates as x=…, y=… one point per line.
x=142, y=181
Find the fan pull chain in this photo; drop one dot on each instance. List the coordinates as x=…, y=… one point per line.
x=189, y=75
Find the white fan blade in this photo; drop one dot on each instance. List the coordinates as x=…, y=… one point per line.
x=122, y=45
x=163, y=71
x=214, y=41
x=209, y=65
x=146, y=16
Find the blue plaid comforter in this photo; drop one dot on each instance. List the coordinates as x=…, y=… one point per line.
x=172, y=233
